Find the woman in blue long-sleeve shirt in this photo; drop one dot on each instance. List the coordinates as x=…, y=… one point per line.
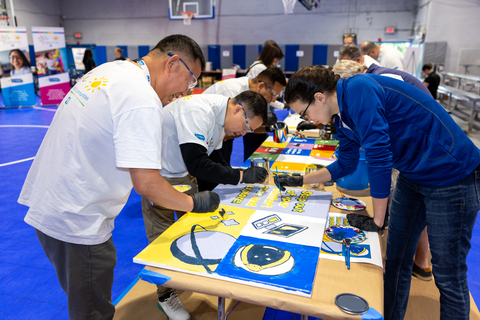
x=400, y=126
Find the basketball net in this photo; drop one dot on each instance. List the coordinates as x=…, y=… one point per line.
x=288, y=6
x=187, y=17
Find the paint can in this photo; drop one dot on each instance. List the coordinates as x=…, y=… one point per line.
x=309, y=168
x=260, y=162
x=280, y=131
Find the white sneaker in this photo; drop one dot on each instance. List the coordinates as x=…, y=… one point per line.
x=173, y=308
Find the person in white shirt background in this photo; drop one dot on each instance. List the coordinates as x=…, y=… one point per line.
x=387, y=56
x=193, y=132
x=100, y=144
x=352, y=52
x=268, y=83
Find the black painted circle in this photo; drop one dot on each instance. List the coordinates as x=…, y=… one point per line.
x=351, y=303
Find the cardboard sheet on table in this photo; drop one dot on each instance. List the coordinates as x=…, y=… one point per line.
x=269, y=156
x=269, y=150
x=321, y=153
x=288, y=166
x=286, y=265
x=295, y=201
x=300, y=230
x=297, y=145
x=296, y=152
x=324, y=147
x=159, y=253
x=326, y=142
x=367, y=252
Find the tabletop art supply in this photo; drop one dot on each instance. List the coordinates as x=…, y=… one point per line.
x=349, y=204
x=346, y=244
x=338, y=233
x=182, y=187
x=310, y=168
x=279, y=187
x=223, y=214
x=280, y=131
x=262, y=163
x=351, y=303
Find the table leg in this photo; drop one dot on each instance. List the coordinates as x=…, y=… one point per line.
x=303, y=317
x=472, y=116
x=221, y=308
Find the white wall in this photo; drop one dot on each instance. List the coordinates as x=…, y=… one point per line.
x=36, y=13
x=457, y=22
x=123, y=22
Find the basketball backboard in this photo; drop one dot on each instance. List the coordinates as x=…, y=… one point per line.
x=202, y=9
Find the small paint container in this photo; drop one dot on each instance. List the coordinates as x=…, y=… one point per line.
x=280, y=131
x=260, y=162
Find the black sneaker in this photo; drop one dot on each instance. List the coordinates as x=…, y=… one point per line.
x=422, y=274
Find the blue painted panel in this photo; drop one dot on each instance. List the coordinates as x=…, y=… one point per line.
x=31, y=52
x=260, y=48
x=125, y=50
x=214, y=56
x=101, y=55
x=291, y=59
x=143, y=51
x=239, y=55
x=320, y=54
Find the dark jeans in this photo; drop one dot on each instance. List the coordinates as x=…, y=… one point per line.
x=85, y=274
x=449, y=213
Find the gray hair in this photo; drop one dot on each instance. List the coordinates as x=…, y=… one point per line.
x=348, y=68
x=351, y=50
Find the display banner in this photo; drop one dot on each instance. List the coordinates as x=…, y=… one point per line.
x=51, y=62
x=78, y=54
x=17, y=80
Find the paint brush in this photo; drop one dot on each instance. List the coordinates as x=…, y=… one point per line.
x=343, y=196
x=279, y=187
x=346, y=244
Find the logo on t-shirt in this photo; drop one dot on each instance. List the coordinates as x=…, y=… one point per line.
x=96, y=83
x=199, y=136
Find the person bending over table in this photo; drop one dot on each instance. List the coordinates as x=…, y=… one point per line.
x=269, y=83
x=400, y=126
x=100, y=144
x=193, y=131
x=347, y=68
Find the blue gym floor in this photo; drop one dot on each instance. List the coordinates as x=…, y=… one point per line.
x=28, y=285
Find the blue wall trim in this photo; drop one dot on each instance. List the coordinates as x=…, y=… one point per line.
x=320, y=54
x=101, y=55
x=214, y=57
x=143, y=51
x=239, y=55
x=291, y=59
x=125, y=50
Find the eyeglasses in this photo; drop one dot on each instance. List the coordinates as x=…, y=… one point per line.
x=15, y=58
x=247, y=128
x=191, y=84
x=303, y=116
x=274, y=94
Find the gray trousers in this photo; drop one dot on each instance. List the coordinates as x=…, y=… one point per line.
x=158, y=219
x=85, y=274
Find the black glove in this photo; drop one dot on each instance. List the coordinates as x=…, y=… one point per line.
x=306, y=126
x=205, y=201
x=255, y=175
x=287, y=180
x=362, y=222
x=272, y=119
x=268, y=128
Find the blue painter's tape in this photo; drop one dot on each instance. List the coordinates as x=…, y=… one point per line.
x=120, y=297
x=372, y=314
x=153, y=277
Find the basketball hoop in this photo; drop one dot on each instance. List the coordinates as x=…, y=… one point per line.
x=288, y=6
x=187, y=17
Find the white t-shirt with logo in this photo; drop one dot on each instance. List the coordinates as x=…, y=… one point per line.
x=255, y=69
x=196, y=119
x=368, y=61
x=389, y=57
x=79, y=181
x=229, y=88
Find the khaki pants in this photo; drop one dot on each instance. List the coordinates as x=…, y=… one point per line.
x=157, y=219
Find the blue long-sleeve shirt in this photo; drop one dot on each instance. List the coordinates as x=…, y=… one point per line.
x=399, y=126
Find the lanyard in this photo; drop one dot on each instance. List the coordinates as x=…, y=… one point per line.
x=142, y=65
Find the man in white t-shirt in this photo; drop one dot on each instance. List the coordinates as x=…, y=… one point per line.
x=106, y=138
x=193, y=131
x=352, y=52
x=269, y=83
x=387, y=56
